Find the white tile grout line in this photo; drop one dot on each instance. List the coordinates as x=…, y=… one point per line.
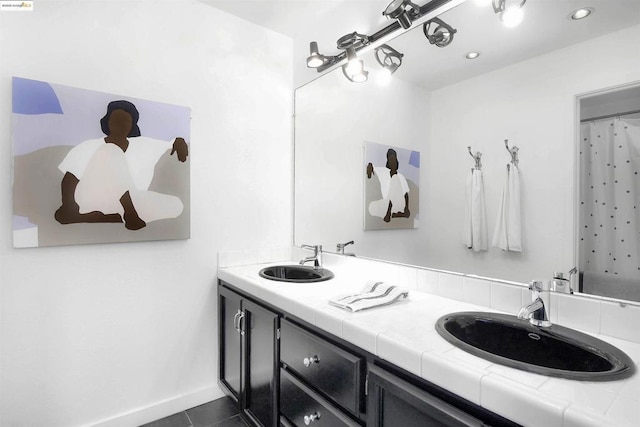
x=188, y=417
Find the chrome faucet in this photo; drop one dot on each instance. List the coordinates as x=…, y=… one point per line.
x=540, y=307
x=316, y=258
x=340, y=248
x=561, y=284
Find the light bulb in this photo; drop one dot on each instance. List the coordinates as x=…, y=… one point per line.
x=360, y=77
x=354, y=67
x=512, y=17
x=314, y=61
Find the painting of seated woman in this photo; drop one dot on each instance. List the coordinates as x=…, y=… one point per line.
x=92, y=167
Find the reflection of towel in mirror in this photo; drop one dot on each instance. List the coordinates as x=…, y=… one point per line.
x=508, y=233
x=374, y=294
x=475, y=223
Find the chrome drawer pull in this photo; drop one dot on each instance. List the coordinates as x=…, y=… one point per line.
x=308, y=419
x=308, y=361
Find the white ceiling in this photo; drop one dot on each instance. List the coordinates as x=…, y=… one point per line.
x=546, y=27
x=300, y=17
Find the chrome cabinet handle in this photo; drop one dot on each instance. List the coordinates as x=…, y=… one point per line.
x=235, y=320
x=240, y=319
x=308, y=419
x=308, y=361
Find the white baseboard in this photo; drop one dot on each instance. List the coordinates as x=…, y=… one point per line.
x=162, y=409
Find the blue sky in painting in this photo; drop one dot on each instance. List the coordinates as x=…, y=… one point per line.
x=78, y=116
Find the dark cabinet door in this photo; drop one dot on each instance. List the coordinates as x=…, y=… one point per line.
x=249, y=356
x=229, y=340
x=394, y=402
x=259, y=400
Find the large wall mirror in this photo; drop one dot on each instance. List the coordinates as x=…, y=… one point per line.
x=439, y=104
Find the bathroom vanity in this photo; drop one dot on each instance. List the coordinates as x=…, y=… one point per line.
x=289, y=358
x=271, y=359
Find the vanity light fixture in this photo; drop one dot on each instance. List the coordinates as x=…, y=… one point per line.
x=472, y=55
x=404, y=13
x=581, y=13
x=315, y=59
x=390, y=60
x=511, y=16
x=438, y=32
x=398, y=9
x=354, y=68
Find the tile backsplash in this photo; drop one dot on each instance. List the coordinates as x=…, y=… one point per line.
x=597, y=315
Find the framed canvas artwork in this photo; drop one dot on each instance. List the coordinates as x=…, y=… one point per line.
x=93, y=167
x=392, y=194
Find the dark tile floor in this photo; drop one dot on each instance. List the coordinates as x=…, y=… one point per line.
x=219, y=413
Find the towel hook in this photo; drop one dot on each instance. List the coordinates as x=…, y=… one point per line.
x=513, y=151
x=476, y=157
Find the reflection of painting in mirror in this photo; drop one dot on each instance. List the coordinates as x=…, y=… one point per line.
x=391, y=187
x=609, y=219
x=91, y=167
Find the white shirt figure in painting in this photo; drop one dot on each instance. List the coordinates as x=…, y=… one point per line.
x=107, y=179
x=394, y=189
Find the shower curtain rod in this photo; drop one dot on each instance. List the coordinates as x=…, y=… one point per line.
x=608, y=116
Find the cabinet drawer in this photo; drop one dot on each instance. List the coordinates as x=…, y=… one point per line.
x=329, y=369
x=300, y=406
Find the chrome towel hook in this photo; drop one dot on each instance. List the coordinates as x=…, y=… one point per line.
x=513, y=151
x=476, y=157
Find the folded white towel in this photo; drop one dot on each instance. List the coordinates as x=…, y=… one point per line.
x=374, y=294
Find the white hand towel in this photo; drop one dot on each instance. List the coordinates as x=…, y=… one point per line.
x=475, y=227
x=467, y=234
x=500, y=232
x=374, y=294
x=514, y=224
x=508, y=232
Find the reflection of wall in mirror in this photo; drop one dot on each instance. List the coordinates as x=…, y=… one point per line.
x=531, y=103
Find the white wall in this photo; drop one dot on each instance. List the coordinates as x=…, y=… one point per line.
x=122, y=334
x=532, y=104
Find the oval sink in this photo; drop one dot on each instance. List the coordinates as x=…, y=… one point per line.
x=295, y=273
x=554, y=351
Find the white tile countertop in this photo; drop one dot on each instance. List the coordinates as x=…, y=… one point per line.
x=404, y=334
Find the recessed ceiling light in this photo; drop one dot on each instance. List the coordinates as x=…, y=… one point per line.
x=581, y=13
x=472, y=55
